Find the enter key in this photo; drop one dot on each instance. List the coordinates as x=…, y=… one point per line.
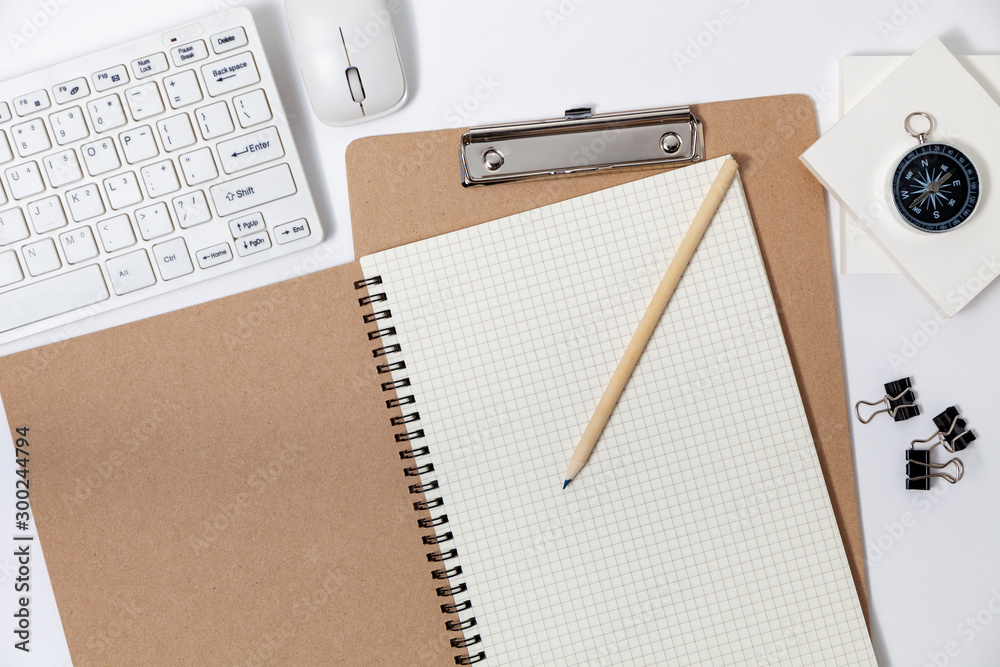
x=250, y=150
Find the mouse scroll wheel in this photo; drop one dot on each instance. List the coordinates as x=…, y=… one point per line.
x=354, y=81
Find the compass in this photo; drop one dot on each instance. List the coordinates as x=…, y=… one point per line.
x=934, y=187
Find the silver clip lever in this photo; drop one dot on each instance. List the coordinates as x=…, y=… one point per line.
x=580, y=141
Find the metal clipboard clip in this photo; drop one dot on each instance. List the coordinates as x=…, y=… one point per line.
x=580, y=142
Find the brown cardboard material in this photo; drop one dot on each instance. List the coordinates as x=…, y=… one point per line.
x=222, y=484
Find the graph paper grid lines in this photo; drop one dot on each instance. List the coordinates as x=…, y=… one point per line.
x=701, y=531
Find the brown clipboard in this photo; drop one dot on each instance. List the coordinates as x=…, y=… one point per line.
x=222, y=484
x=406, y=187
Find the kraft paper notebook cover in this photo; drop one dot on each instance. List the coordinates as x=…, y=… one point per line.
x=282, y=515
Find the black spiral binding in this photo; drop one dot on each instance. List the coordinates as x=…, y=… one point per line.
x=420, y=470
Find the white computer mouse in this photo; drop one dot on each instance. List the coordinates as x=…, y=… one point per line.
x=348, y=58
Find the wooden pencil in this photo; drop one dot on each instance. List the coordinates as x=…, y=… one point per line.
x=648, y=323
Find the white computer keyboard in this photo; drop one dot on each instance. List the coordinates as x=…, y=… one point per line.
x=141, y=169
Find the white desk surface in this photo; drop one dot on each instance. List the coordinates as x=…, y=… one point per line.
x=931, y=557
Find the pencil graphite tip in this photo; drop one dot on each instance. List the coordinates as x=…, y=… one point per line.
x=566, y=483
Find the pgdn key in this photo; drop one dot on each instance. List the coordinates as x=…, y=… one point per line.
x=248, y=245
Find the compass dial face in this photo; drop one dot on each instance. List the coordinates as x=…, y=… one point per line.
x=935, y=187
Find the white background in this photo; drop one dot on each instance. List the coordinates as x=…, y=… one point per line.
x=932, y=566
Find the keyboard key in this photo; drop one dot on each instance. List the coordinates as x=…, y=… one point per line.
x=101, y=156
x=253, y=190
x=71, y=90
x=106, y=113
x=144, y=101
x=139, y=144
x=68, y=125
x=246, y=224
x=47, y=214
x=13, y=228
x=5, y=153
x=24, y=180
x=123, y=190
x=85, y=202
x=182, y=89
x=130, y=272
x=248, y=245
x=250, y=150
x=209, y=257
x=192, y=209
x=172, y=259
x=154, y=221
x=198, y=166
x=231, y=39
x=32, y=102
x=176, y=132
x=252, y=108
x=189, y=53
x=160, y=178
x=119, y=155
x=41, y=257
x=116, y=233
x=291, y=231
x=54, y=296
x=30, y=137
x=10, y=269
x=149, y=65
x=214, y=120
x=63, y=168
x=110, y=78
x=78, y=245
x=229, y=74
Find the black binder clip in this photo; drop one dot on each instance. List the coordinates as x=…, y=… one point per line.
x=919, y=469
x=899, y=401
x=954, y=435
x=953, y=432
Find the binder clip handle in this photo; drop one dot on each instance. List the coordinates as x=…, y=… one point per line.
x=899, y=401
x=919, y=470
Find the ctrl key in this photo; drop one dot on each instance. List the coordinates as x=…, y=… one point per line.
x=173, y=259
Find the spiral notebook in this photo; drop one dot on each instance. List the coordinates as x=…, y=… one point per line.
x=701, y=530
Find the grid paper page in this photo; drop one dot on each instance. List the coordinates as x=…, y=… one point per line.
x=700, y=532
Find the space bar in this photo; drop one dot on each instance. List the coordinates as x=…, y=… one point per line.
x=55, y=296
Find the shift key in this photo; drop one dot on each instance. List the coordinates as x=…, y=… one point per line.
x=253, y=190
